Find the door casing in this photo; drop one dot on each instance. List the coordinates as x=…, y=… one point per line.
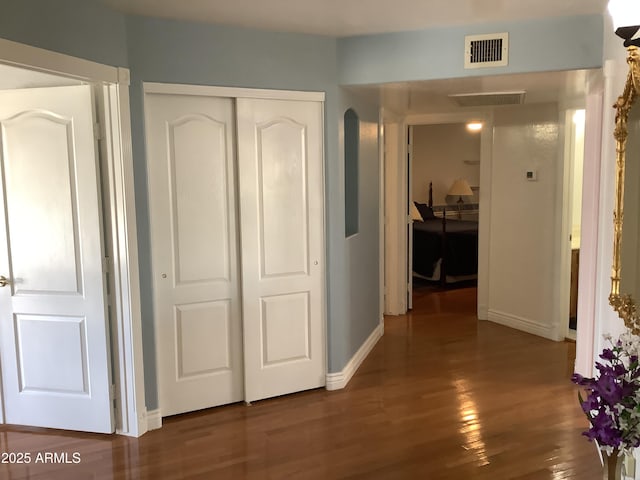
x=120, y=218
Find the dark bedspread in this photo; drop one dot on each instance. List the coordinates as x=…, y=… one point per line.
x=460, y=247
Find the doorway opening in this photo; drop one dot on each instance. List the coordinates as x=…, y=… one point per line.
x=443, y=195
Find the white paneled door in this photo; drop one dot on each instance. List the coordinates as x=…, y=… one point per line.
x=190, y=151
x=238, y=275
x=282, y=228
x=54, y=337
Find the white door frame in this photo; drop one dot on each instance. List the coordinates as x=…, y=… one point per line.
x=397, y=201
x=126, y=341
x=395, y=274
x=565, y=194
x=589, y=232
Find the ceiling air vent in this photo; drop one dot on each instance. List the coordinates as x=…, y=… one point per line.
x=482, y=51
x=489, y=99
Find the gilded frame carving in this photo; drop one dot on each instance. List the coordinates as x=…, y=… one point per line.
x=623, y=304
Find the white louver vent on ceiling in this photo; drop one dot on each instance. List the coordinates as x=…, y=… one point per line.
x=489, y=99
x=491, y=50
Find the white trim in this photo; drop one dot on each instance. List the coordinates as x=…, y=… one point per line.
x=381, y=203
x=125, y=265
x=232, y=92
x=588, y=271
x=128, y=351
x=523, y=324
x=484, y=216
x=483, y=311
x=407, y=215
x=339, y=380
x=563, y=220
x=33, y=58
x=153, y=419
x=395, y=287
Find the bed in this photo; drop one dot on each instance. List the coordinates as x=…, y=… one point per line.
x=445, y=249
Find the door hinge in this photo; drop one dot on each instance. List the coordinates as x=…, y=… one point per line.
x=105, y=265
x=112, y=391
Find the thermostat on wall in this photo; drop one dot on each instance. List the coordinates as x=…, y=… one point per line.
x=532, y=175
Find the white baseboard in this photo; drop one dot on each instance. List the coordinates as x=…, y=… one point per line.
x=338, y=380
x=524, y=324
x=154, y=419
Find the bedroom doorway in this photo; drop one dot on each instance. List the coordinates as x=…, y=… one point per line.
x=443, y=187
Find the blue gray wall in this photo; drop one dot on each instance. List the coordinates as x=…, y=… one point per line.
x=178, y=52
x=359, y=274
x=82, y=28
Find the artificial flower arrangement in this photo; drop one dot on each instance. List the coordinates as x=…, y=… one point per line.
x=612, y=404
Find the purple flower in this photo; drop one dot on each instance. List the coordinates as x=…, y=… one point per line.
x=591, y=403
x=604, y=431
x=607, y=354
x=609, y=389
x=580, y=380
x=611, y=400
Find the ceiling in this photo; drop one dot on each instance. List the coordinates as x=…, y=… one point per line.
x=357, y=17
x=354, y=17
x=432, y=96
x=349, y=17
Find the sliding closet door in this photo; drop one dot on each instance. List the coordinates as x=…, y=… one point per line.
x=190, y=152
x=280, y=159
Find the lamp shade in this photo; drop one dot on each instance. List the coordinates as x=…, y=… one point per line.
x=460, y=187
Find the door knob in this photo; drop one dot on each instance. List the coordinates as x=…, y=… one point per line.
x=4, y=281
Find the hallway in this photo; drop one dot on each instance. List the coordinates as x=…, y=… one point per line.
x=440, y=397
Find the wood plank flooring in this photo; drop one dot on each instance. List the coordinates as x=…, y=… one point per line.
x=442, y=396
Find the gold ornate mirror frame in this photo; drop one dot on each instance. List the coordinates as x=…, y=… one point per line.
x=624, y=304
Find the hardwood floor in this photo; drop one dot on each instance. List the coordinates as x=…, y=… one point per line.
x=442, y=396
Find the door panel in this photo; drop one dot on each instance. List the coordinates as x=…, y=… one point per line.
x=190, y=150
x=51, y=266
x=283, y=198
x=285, y=316
x=54, y=338
x=281, y=202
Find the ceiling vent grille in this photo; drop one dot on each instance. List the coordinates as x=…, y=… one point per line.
x=490, y=99
x=482, y=51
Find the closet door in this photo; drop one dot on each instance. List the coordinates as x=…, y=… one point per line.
x=280, y=159
x=190, y=155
